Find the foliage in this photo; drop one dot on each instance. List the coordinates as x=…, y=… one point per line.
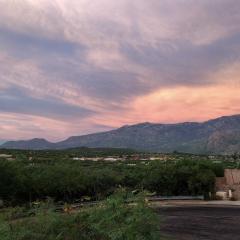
x=115, y=219
x=49, y=174
x=69, y=181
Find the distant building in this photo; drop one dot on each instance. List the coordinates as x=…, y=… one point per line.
x=228, y=186
x=79, y=159
x=110, y=159
x=7, y=157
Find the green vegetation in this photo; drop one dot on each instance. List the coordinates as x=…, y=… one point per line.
x=46, y=155
x=114, y=219
x=29, y=178
x=66, y=180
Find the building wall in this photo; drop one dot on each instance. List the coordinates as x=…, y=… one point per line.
x=232, y=176
x=236, y=192
x=230, y=181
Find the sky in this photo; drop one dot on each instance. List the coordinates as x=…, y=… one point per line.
x=73, y=67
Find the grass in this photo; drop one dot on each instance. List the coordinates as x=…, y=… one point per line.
x=114, y=219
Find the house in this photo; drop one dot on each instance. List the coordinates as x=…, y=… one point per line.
x=228, y=187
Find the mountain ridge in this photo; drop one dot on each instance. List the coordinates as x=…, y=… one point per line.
x=215, y=136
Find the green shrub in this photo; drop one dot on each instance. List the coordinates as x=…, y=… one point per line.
x=118, y=218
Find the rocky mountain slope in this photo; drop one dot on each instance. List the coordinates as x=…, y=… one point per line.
x=221, y=135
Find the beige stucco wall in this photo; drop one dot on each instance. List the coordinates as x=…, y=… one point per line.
x=230, y=181
x=232, y=176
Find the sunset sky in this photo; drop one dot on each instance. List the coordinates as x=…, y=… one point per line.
x=72, y=67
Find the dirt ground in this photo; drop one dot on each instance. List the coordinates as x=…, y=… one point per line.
x=201, y=222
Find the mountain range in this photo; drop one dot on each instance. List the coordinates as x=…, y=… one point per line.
x=217, y=136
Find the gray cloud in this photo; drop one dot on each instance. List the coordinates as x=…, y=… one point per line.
x=15, y=100
x=100, y=84
x=185, y=63
x=24, y=45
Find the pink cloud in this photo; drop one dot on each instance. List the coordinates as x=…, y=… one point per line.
x=123, y=61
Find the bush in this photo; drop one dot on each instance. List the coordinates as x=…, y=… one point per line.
x=115, y=219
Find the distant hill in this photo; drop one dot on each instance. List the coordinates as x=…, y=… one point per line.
x=2, y=141
x=36, y=143
x=218, y=136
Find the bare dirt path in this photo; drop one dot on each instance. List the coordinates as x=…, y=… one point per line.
x=201, y=222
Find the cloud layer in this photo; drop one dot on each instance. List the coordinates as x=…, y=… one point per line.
x=78, y=66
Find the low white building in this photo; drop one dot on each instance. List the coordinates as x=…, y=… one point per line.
x=7, y=157
x=110, y=159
